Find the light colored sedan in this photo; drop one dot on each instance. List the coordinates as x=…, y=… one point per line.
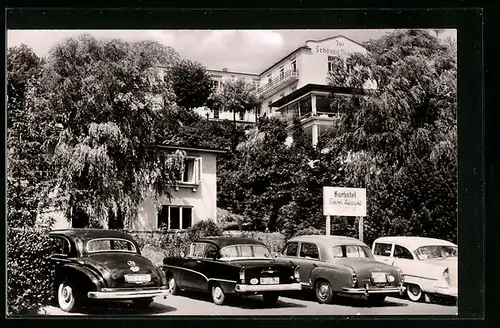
x=430, y=265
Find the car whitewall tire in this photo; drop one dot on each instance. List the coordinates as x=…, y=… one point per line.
x=172, y=284
x=414, y=292
x=218, y=295
x=66, y=296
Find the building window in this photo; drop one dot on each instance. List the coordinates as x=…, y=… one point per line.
x=294, y=88
x=192, y=171
x=269, y=79
x=282, y=95
x=294, y=65
x=215, y=83
x=242, y=115
x=174, y=217
x=216, y=113
x=282, y=72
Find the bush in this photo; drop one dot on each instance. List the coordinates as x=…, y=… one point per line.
x=309, y=231
x=29, y=271
x=204, y=228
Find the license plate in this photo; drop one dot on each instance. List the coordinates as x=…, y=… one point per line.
x=270, y=281
x=379, y=277
x=137, y=278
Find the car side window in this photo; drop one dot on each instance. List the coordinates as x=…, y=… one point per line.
x=309, y=250
x=402, y=252
x=62, y=246
x=291, y=249
x=209, y=250
x=382, y=249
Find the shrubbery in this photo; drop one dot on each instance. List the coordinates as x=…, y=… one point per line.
x=29, y=271
x=156, y=246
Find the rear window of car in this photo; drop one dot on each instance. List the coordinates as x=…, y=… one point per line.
x=110, y=245
x=352, y=251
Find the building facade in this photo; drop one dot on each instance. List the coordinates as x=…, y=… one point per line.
x=193, y=198
x=298, y=84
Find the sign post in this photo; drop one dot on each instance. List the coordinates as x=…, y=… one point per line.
x=328, y=225
x=339, y=201
x=360, y=228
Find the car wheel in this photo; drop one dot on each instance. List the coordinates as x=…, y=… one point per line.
x=414, y=292
x=376, y=299
x=323, y=291
x=142, y=303
x=66, y=297
x=172, y=285
x=270, y=299
x=218, y=295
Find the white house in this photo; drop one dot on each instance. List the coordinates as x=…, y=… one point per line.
x=194, y=197
x=297, y=84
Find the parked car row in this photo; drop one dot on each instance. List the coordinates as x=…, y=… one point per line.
x=92, y=265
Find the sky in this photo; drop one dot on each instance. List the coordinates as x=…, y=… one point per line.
x=238, y=50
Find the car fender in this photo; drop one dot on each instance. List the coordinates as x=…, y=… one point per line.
x=336, y=276
x=172, y=270
x=83, y=278
x=424, y=275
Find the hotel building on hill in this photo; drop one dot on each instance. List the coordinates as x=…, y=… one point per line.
x=296, y=85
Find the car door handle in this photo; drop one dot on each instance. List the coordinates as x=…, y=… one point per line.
x=315, y=265
x=291, y=262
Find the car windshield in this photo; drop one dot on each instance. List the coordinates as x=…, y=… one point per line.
x=352, y=251
x=110, y=245
x=244, y=251
x=434, y=252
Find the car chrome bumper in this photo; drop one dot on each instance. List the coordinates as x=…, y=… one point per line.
x=128, y=294
x=267, y=288
x=448, y=290
x=375, y=290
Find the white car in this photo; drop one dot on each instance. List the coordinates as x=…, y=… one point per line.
x=430, y=265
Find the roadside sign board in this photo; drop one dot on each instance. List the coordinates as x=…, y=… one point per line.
x=339, y=201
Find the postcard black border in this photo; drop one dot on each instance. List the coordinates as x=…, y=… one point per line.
x=469, y=23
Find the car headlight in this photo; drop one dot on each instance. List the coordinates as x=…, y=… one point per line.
x=296, y=274
x=242, y=275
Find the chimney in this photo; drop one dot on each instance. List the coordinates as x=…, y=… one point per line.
x=224, y=69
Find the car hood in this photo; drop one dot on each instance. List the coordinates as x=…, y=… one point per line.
x=118, y=264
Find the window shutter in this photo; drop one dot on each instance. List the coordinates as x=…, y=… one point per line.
x=197, y=170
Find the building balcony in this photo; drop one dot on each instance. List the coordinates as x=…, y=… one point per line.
x=284, y=80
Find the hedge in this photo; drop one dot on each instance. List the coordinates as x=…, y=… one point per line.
x=29, y=271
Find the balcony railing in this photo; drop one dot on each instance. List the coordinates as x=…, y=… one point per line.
x=290, y=75
x=289, y=116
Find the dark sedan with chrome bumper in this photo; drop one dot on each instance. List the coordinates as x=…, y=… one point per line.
x=92, y=264
x=231, y=266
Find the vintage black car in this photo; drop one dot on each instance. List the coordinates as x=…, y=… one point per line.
x=231, y=266
x=93, y=264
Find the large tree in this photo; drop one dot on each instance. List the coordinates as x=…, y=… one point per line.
x=105, y=93
x=191, y=84
x=400, y=141
x=238, y=96
x=27, y=131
